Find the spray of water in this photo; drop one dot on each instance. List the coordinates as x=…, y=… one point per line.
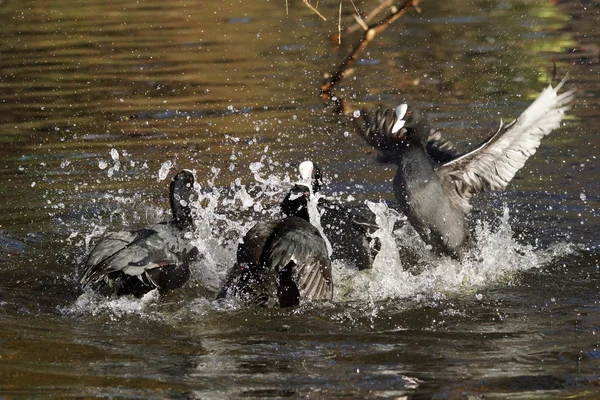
x=404, y=268
x=94, y=304
x=496, y=259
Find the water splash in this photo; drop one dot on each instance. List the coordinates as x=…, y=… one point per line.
x=163, y=172
x=387, y=276
x=387, y=271
x=404, y=269
x=315, y=218
x=220, y=224
x=497, y=259
x=114, y=154
x=116, y=308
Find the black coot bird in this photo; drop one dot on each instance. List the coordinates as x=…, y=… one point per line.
x=434, y=191
x=152, y=258
x=283, y=262
x=349, y=234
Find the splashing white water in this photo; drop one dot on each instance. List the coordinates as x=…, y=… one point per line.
x=404, y=268
x=94, y=304
x=496, y=259
x=114, y=154
x=315, y=218
x=387, y=272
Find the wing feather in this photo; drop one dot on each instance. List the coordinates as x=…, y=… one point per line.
x=300, y=245
x=112, y=246
x=376, y=129
x=146, y=250
x=495, y=162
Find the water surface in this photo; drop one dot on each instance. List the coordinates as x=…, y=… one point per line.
x=97, y=98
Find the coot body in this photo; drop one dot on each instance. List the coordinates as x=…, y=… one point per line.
x=157, y=257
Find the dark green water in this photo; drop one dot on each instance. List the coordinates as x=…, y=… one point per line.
x=96, y=96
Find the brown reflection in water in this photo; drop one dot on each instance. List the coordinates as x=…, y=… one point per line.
x=156, y=80
x=207, y=84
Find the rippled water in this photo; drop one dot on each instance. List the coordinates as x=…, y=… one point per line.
x=101, y=102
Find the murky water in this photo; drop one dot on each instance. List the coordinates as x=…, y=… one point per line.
x=99, y=100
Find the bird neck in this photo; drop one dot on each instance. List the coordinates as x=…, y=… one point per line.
x=296, y=202
x=418, y=136
x=296, y=209
x=414, y=164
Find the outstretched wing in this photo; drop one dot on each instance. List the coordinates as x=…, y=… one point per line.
x=495, y=162
x=296, y=251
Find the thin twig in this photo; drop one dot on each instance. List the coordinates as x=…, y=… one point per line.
x=356, y=10
x=359, y=22
x=362, y=23
x=313, y=9
x=340, y=24
x=368, y=36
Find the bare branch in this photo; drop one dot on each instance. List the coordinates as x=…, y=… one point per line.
x=368, y=36
x=362, y=23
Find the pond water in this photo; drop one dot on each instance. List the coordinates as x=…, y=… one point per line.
x=100, y=100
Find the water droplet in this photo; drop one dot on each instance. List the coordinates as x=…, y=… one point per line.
x=255, y=167
x=583, y=197
x=102, y=164
x=32, y=184
x=114, y=154
x=356, y=113
x=164, y=170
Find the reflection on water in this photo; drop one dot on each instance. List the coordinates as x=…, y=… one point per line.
x=102, y=101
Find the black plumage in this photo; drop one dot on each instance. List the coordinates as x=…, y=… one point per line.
x=433, y=185
x=282, y=263
x=152, y=258
x=349, y=233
